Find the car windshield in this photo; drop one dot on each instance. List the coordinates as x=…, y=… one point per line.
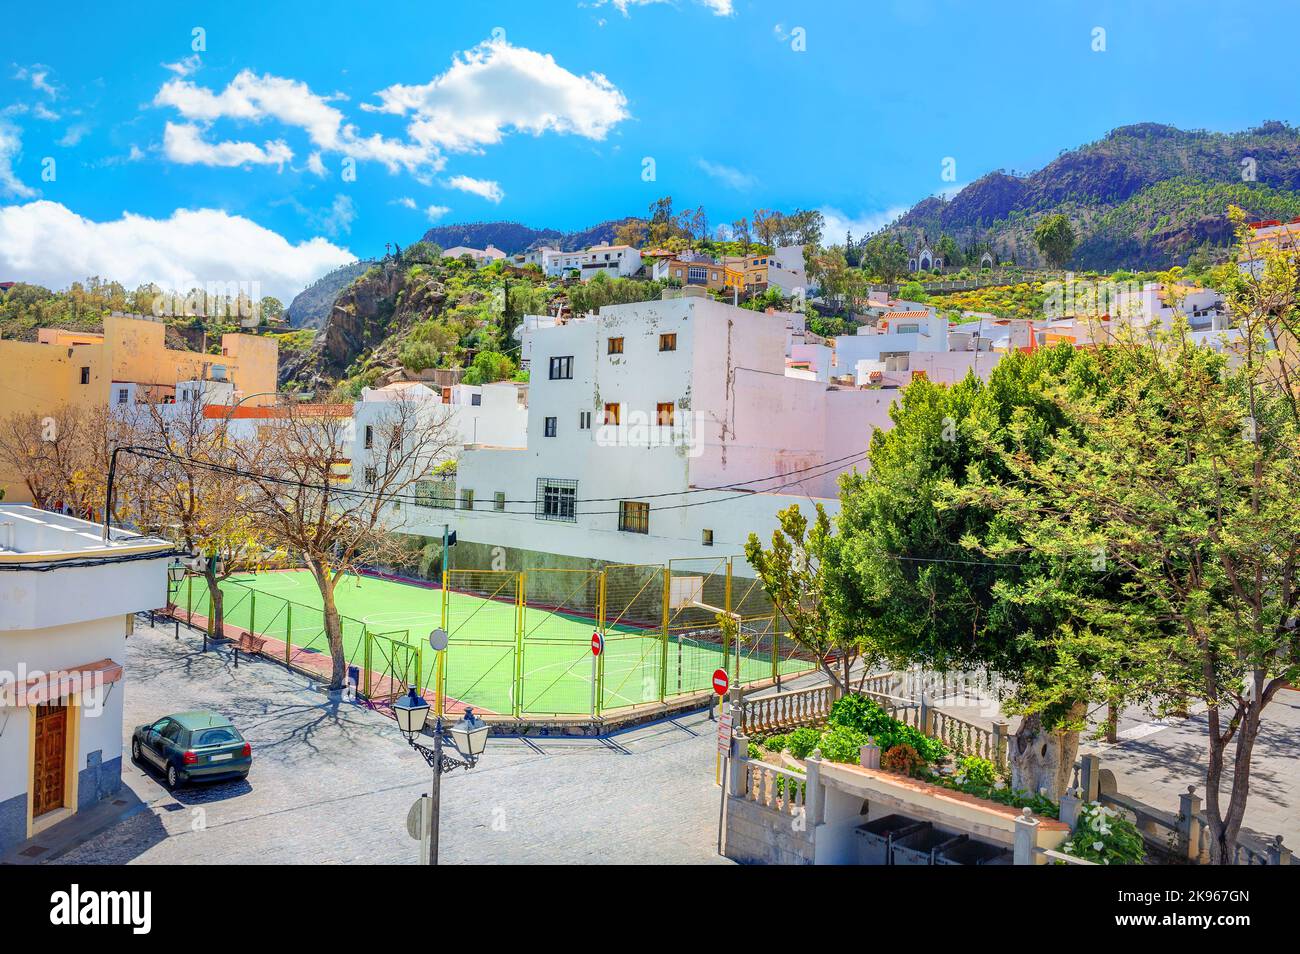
x=216, y=736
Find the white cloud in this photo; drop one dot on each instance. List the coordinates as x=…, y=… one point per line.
x=435, y=212
x=39, y=78
x=184, y=143
x=186, y=66
x=405, y=202
x=338, y=220
x=315, y=165
x=721, y=8
x=254, y=98
x=496, y=87
x=729, y=177
x=46, y=243
x=11, y=143
x=75, y=133
x=836, y=223
x=485, y=188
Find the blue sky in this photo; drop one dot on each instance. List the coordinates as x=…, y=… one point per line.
x=124, y=152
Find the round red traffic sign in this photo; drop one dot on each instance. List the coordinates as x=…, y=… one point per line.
x=597, y=644
x=720, y=681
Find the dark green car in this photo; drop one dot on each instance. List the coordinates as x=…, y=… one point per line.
x=192, y=746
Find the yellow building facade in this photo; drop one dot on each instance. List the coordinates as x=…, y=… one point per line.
x=78, y=370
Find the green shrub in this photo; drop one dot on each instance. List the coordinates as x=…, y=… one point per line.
x=801, y=742
x=977, y=771
x=861, y=713
x=868, y=716
x=775, y=743
x=754, y=752
x=842, y=743
x=1106, y=837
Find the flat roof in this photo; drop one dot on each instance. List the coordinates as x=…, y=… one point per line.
x=29, y=534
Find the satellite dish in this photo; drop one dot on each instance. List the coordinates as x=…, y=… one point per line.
x=438, y=639
x=518, y=333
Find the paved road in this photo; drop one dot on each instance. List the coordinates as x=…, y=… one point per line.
x=332, y=783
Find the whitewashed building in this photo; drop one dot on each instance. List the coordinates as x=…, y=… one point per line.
x=658, y=430
x=67, y=601
x=616, y=261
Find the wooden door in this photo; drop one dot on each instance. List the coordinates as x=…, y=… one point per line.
x=51, y=753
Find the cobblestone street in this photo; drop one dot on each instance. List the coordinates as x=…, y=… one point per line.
x=332, y=783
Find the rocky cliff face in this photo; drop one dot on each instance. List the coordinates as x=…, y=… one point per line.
x=366, y=320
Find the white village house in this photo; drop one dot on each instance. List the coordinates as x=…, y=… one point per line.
x=632, y=415
x=67, y=601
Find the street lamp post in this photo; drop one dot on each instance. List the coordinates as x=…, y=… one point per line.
x=468, y=738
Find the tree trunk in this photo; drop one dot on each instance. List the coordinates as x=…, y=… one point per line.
x=1225, y=826
x=333, y=629
x=216, y=603
x=1044, y=759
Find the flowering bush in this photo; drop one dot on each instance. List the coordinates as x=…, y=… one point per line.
x=1106, y=837
x=902, y=758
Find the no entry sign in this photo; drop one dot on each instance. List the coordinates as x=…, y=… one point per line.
x=597, y=644
x=720, y=681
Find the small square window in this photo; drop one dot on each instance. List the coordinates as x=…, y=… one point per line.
x=85, y=375
x=499, y=501
x=562, y=368
x=614, y=346
x=664, y=414
x=633, y=516
x=551, y=426
x=667, y=342
x=476, y=400
x=706, y=538
x=611, y=414
x=122, y=395
x=370, y=436
x=371, y=476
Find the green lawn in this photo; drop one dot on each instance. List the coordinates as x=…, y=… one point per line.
x=556, y=665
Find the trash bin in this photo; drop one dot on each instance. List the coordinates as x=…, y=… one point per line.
x=877, y=836
x=972, y=853
x=920, y=847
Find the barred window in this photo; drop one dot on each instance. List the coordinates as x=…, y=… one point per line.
x=499, y=500
x=435, y=494
x=667, y=342
x=557, y=499
x=664, y=414
x=615, y=346
x=634, y=516
x=467, y=499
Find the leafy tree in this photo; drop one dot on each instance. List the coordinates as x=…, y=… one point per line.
x=885, y=257
x=270, y=308
x=906, y=562
x=489, y=366
x=1187, y=480
x=1055, y=239
x=796, y=572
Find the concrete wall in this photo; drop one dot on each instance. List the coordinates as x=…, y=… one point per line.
x=758, y=836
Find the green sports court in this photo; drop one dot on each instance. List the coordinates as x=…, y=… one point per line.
x=520, y=643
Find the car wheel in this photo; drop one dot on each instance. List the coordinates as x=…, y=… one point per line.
x=173, y=776
x=136, y=755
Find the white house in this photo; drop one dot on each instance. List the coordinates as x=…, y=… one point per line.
x=67, y=601
x=657, y=430
x=483, y=256
x=616, y=261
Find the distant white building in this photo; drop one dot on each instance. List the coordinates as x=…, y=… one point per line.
x=635, y=415
x=62, y=652
x=488, y=415
x=483, y=256
x=616, y=261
